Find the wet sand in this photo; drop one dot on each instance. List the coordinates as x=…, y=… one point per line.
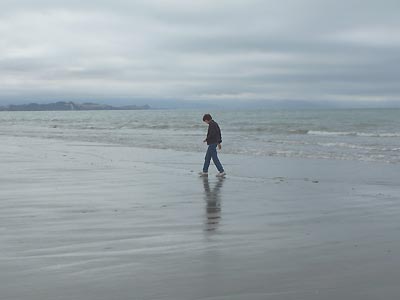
x=92, y=221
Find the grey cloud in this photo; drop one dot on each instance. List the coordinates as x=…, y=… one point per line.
x=199, y=50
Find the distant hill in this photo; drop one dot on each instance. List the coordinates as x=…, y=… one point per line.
x=62, y=105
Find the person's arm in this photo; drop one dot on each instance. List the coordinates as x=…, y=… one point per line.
x=208, y=135
x=219, y=134
x=219, y=137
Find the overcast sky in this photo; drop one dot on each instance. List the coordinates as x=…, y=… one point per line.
x=132, y=50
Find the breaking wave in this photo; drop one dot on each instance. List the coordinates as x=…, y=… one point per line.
x=351, y=133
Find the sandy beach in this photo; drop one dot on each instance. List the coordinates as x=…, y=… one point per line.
x=97, y=221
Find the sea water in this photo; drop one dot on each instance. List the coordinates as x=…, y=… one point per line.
x=354, y=134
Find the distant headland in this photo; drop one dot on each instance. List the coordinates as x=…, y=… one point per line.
x=62, y=105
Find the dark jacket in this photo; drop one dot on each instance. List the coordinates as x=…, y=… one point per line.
x=214, y=133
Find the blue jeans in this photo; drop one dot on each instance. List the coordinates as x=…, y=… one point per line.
x=212, y=153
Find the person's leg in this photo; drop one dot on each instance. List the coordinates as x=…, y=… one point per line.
x=207, y=160
x=214, y=156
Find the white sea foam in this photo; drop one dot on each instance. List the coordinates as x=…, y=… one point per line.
x=350, y=146
x=353, y=133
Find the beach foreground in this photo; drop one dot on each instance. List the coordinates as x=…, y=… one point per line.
x=98, y=221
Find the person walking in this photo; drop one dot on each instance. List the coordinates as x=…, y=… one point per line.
x=213, y=141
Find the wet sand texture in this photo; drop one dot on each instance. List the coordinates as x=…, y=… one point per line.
x=92, y=221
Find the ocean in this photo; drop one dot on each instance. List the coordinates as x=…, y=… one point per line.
x=354, y=134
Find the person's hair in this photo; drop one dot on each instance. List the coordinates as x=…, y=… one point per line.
x=207, y=117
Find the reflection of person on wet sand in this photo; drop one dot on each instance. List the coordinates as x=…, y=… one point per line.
x=213, y=204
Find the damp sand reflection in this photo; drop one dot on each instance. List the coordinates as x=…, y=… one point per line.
x=212, y=198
